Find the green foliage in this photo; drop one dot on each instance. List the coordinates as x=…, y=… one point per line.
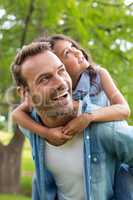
x=27, y=170
x=102, y=27
x=26, y=185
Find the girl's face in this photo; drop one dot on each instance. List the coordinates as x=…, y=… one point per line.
x=73, y=58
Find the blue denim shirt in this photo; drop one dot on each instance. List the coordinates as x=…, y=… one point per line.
x=104, y=145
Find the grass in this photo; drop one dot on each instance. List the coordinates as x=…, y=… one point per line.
x=13, y=197
x=27, y=169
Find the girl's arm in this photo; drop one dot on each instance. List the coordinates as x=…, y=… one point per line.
x=53, y=135
x=119, y=109
x=20, y=115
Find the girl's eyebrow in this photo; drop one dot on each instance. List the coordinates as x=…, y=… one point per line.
x=62, y=52
x=67, y=47
x=61, y=66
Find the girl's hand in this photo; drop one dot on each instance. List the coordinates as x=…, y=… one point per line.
x=56, y=137
x=77, y=124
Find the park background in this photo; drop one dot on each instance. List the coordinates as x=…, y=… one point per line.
x=103, y=27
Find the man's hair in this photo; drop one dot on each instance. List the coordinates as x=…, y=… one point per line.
x=23, y=54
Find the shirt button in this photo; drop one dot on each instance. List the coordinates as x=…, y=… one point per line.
x=90, y=178
x=89, y=156
x=95, y=159
x=87, y=137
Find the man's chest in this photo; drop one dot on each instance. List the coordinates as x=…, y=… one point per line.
x=66, y=165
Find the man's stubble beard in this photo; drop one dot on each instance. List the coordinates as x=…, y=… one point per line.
x=54, y=118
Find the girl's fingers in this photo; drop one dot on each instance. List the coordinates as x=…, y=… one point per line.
x=65, y=129
x=67, y=137
x=66, y=132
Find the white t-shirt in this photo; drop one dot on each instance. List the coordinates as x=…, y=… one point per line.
x=66, y=164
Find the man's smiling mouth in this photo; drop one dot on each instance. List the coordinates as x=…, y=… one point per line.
x=62, y=99
x=61, y=96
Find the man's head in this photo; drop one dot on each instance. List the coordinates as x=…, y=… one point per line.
x=43, y=75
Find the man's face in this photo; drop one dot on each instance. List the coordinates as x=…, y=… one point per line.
x=49, y=84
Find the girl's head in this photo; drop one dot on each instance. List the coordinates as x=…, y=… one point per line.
x=75, y=59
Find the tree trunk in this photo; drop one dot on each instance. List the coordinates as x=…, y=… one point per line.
x=10, y=164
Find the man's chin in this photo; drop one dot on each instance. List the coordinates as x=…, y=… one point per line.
x=57, y=108
x=61, y=111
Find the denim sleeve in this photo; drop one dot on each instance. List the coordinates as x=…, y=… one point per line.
x=123, y=142
x=116, y=139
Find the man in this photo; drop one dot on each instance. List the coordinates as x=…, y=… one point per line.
x=75, y=170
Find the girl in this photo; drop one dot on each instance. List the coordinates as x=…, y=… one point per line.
x=81, y=69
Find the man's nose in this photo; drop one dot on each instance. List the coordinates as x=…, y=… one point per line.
x=59, y=82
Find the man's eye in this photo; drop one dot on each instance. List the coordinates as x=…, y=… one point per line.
x=62, y=70
x=44, y=79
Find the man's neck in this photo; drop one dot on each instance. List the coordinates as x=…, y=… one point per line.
x=59, y=119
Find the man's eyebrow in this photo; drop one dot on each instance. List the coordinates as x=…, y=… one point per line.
x=47, y=74
x=61, y=66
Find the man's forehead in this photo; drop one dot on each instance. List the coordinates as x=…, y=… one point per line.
x=46, y=61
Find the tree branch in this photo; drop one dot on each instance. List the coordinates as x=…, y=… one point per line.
x=26, y=22
x=109, y=29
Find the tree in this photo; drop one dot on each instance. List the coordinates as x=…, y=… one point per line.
x=102, y=27
x=10, y=159
x=10, y=155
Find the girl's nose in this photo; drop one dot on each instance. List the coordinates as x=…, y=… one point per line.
x=76, y=52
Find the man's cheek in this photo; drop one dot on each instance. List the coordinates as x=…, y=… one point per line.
x=48, y=99
x=41, y=99
x=36, y=99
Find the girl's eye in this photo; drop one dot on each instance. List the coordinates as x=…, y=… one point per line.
x=66, y=53
x=62, y=70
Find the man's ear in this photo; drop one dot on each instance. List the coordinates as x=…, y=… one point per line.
x=19, y=91
x=22, y=92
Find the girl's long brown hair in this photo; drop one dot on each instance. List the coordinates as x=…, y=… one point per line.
x=91, y=70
